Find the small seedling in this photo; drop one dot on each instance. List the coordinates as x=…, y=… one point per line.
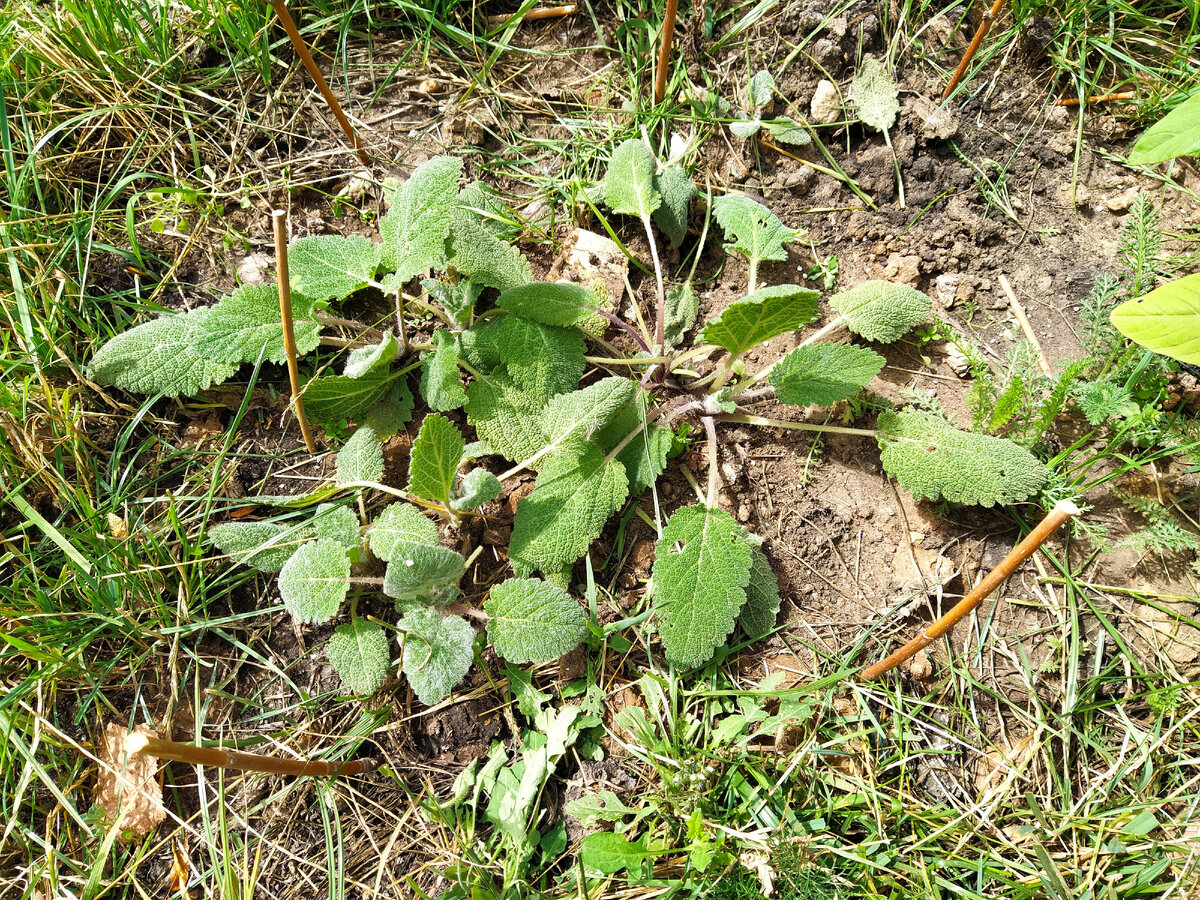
x=593, y=447
x=875, y=95
x=761, y=95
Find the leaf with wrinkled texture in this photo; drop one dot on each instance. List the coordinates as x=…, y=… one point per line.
x=881, y=311
x=338, y=524
x=457, y=299
x=438, y=651
x=763, y=315
x=361, y=459
x=331, y=267
x=477, y=487
x=578, y=415
x=644, y=457
x=762, y=597
x=390, y=414
x=476, y=252
x=315, y=581
x=762, y=89
x=787, y=131
x=933, y=459
x=441, y=385
x=629, y=181
x=574, y=497
x=699, y=588
x=541, y=359
x=751, y=229
x=824, y=373
x=359, y=653
x=560, y=304
x=436, y=453
x=506, y=417
x=875, y=95
x=157, y=357
x=530, y=620
x=262, y=545
x=683, y=306
x=677, y=191
x=417, y=224
x=422, y=572
x=331, y=399
x=372, y=358
x=248, y=323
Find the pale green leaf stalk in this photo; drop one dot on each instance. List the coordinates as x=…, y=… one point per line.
x=629, y=190
x=530, y=620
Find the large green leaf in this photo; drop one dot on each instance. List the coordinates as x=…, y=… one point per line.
x=441, y=384
x=506, y=417
x=331, y=399
x=560, y=304
x=542, y=360
x=575, y=495
x=438, y=651
x=315, y=581
x=824, y=373
x=263, y=545
x=359, y=653
x=1176, y=134
x=530, y=620
x=331, y=267
x=677, y=191
x=701, y=569
x=158, y=357
x=751, y=229
x=629, y=182
x=762, y=597
x=933, y=459
x=1166, y=320
x=361, y=459
x=761, y=316
x=574, y=417
x=416, y=226
x=371, y=358
x=248, y=323
x=476, y=252
x=436, y=453
x=881, y=311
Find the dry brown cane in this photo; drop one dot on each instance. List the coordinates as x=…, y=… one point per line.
x=217, y=758
x=1063, y=511
x=984, y=26
x=279, y=221
x=664, y=50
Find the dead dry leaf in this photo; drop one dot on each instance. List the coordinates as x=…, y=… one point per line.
x=129, y=784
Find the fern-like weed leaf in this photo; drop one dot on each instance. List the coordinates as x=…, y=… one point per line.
x=530, y=620
x=765, y=314
x=701, y=569
x=315, y=581
x=933, y=459
x=824, y=373
x=358, y=652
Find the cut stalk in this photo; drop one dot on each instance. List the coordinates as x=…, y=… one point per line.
x=984, y=26
x=279, y=221
x=247, y=762
x=1062, y=512
x=747, y=419
x=664, y=51
x=285, y=19
x=714, y=473
x=660, y=318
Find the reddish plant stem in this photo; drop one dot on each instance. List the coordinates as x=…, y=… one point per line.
x=664, y=50
x=279, y=220
x=246, y=762
x=1063, y=511
x=988, y=18
x=285, y=19
x=1102, y=98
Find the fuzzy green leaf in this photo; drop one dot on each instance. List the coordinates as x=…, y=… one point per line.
x=477, y=253
x=424, y=573
x=506, y=417
x=359, y=653
x=393, y=412
x=677, y=191
x=875, y=95
x=745, y=128
x=530, y=620
x=331, y=399
x=787, y=131
x=457, y=299
x=441, y=385
x=372, y=358
x=1166, y=320
x=762, y=89
x=339, y=524
x=1175, y=134
x=541, y=359
x=763, y=315
x=438, y=651
x=645, y=457
x=933, y=459
x=398, y=528
x=262, y=545
x=417, y=224
x=629, y=181
x=683, y=306
x=762, y=597
x=476, y=488
x=573, y=417
x=561, y=304
x=361, y=459
x=248, y=323
x=824, y=373
x=436, y=453
x=881, y=311
x=751, y=229
x=157, y=357
x=331, y=267
x=700, y=587
x=574, y=496
x=315, y=581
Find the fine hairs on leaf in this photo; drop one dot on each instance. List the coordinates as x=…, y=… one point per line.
x=438, y=650
x=629, y=182
x=875, y=95
x=358, y=651
x=315, y=581
x=417, y=224
x=530, y=620
x=436, y=453
x=329, y=267
x=764, y=314
x=881, y=311
x=752, y=230
x=361, y=458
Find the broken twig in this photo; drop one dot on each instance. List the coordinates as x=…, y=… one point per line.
x=147, y=745
x=1026, y=326
x=984, y=26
